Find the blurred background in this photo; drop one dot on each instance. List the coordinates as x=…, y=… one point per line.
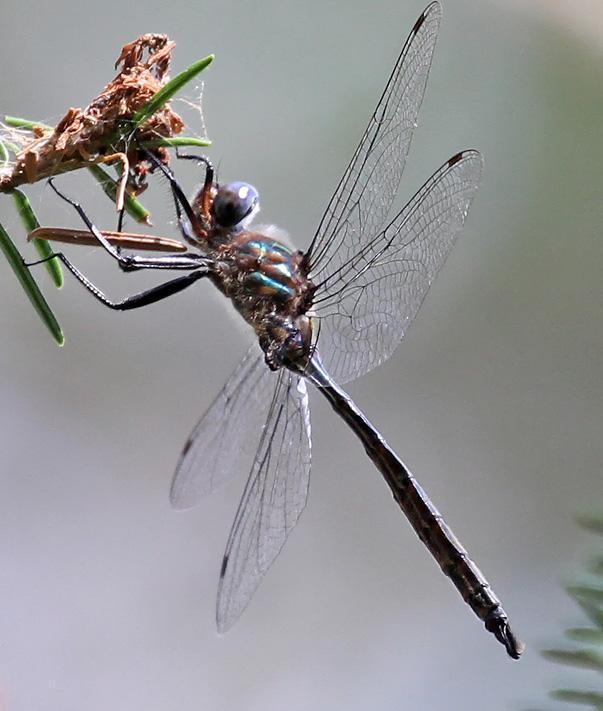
x=494, y=400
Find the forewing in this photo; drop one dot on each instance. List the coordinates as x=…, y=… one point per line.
x=225, y=438
x=364, y=310
x=274, y=497
x=361, y=203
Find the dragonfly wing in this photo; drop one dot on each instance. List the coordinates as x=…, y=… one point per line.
x=365, y=309
x=225, y=438
x=274, y=498
x=363, y=198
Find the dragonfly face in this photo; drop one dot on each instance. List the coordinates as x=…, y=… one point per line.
x=235, y=205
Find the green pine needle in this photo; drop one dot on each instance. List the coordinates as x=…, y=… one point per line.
x=134, y=208
x=588, y=593
x=592, y=522
x=585, y=634
x=593, y=612
x=30, y=287
x=4, y=154
x=170, y=89
x=588, y=650
x=588, y=698
x=17, y=122
x=177, y=142
x=43, y=247
x=585, y=658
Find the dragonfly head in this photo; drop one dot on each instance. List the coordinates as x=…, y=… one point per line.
x=235, y=205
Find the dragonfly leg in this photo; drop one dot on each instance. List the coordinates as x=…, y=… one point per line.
x=120, y=223
x=181, y=203
x=198, y=159
x=202, y=200
x=197, y=213
x=190, y=228
x=131, y=263
x=89, y=224
x=135, y=301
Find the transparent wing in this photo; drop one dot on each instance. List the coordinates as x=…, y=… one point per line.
x=274, y=497
x=225, y=438
x=362, y=200
x=364, y=309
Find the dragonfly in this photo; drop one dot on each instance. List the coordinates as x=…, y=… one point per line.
x=321, y=318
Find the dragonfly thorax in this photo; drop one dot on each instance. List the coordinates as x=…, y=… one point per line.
x=267, y=283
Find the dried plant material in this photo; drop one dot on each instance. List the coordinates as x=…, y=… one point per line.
x=126, y=240
x=106, y=130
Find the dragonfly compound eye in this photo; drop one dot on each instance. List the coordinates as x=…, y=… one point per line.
x=234, y=202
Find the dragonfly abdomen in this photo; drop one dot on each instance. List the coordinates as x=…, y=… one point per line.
x=421, y=513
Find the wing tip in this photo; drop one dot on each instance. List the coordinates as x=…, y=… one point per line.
x=225, y=618
x=223, y=567
x=187, y=445
x=181, y=501
x=434, y=10
x=465, y=155
x=223, y=625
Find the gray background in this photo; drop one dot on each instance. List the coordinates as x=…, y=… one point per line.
x=494, y=399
